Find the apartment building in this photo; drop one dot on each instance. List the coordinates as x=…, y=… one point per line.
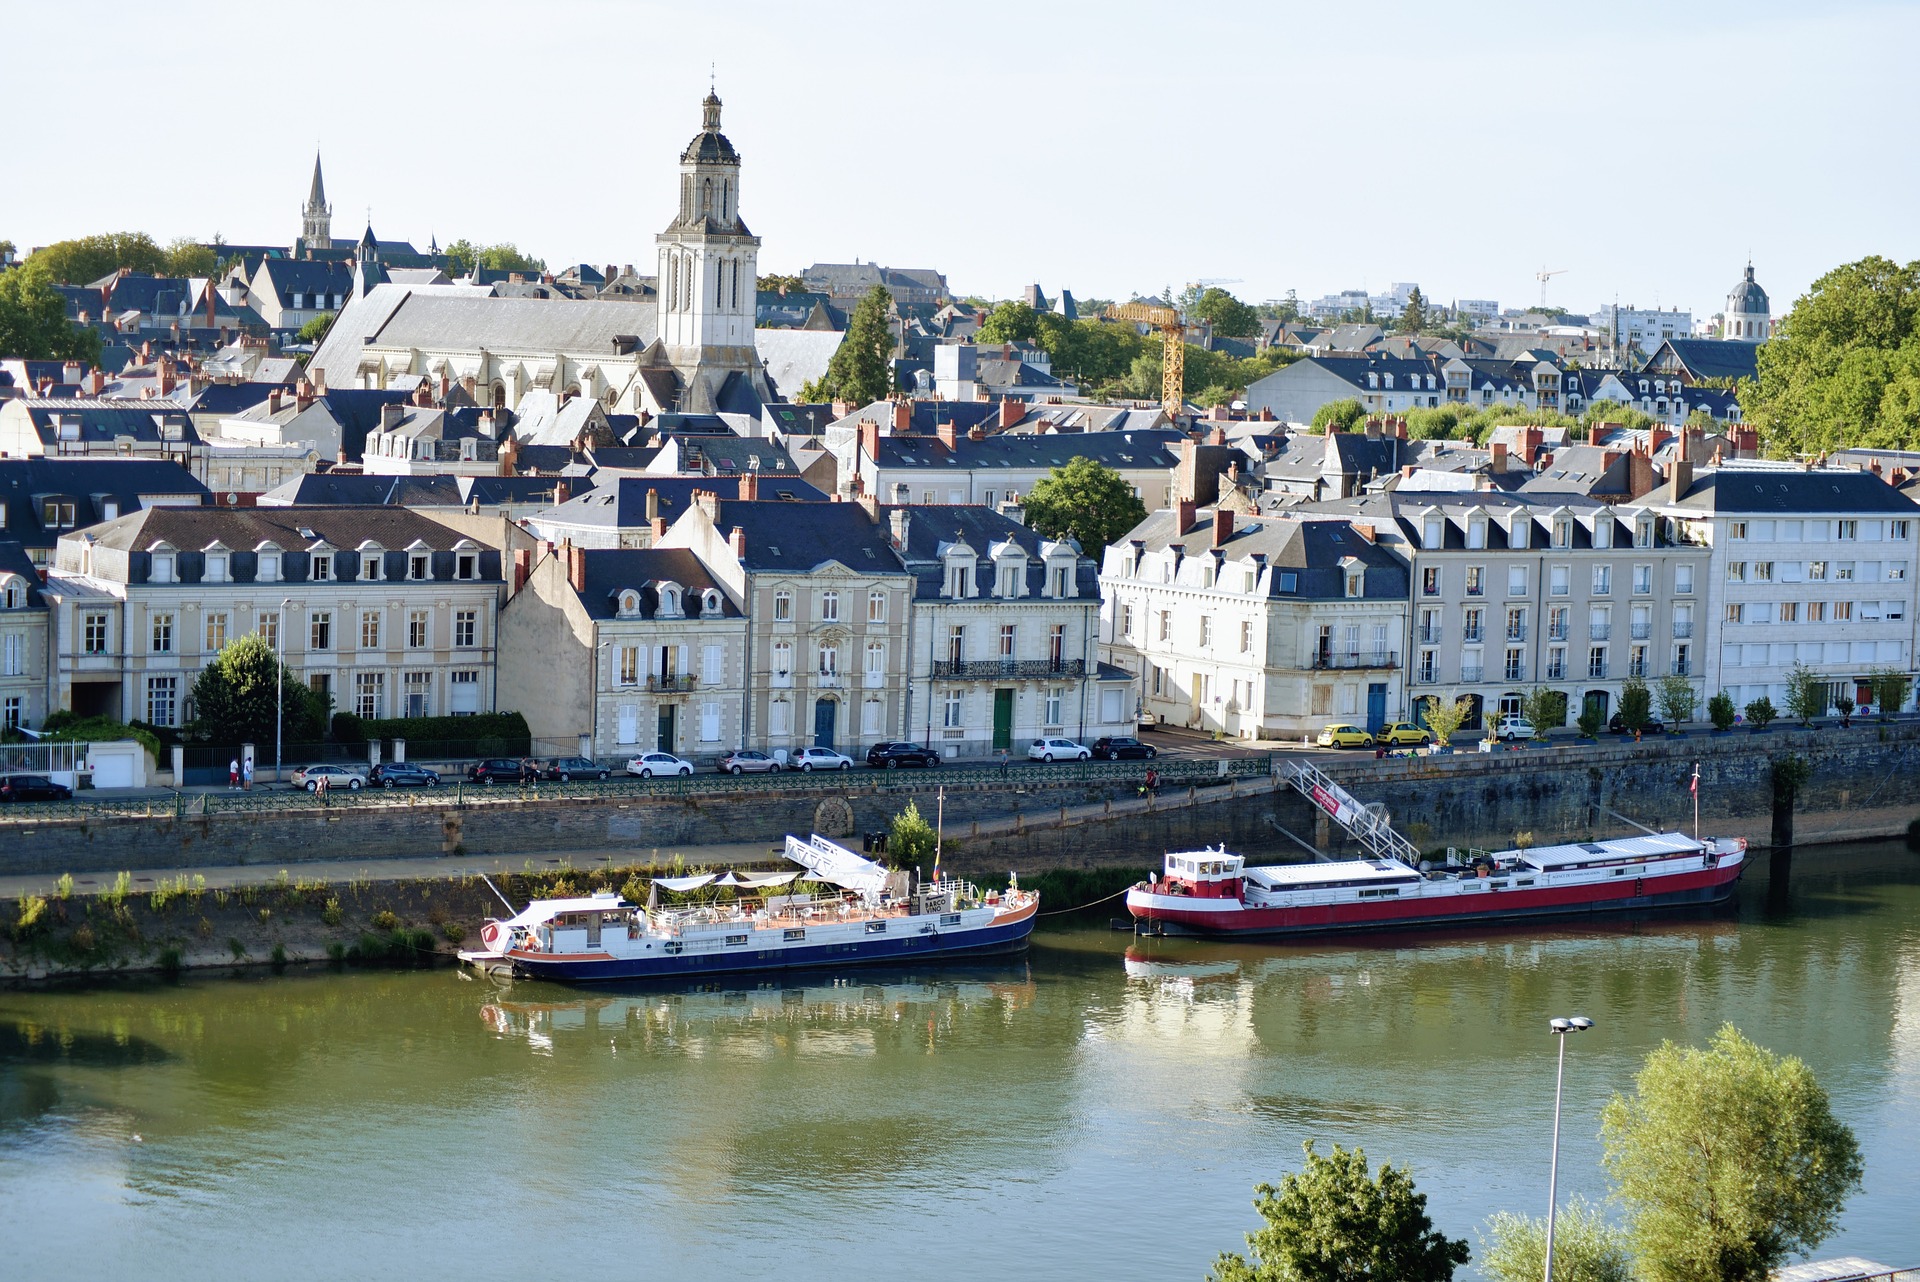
x=23, y=640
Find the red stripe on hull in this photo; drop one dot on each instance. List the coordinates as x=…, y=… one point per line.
x=1706, y=885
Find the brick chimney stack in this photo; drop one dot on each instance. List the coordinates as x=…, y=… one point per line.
x=900, y=520
x=1011, y=412
x=1373, y=429
x=948, y=432
x=96, y=382
x=657, y=524
x=749, y=486
x=522, y=565
x=273, y=400
x=1499, y=464
x=1183, y=514
x=319, y=377
x=1657, y=436
x=869, y=438
x=561, y=492
x=739, y=541
x=577, y=567
x=166, y=376
x=302, y=395
x=1222, y=526
x=902, y=417
x=1679, y=479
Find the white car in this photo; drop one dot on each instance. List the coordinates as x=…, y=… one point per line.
x=309, y=777
x=649, y=764
x=1062, y=749
x=1512, y=727
x=811, y=759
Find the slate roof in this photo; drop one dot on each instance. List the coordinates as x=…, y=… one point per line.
x=797, y=420
x=1313, y=550
x=1734, y=490
x=1710, y=357
x=620, y=503
x=14, y=560
x=103, y=421
x=610, y=571
x=1400, y=515
x=796, y=538
x=90, y=483
x=354, y=489
x=930, y=530
x=1122, y=451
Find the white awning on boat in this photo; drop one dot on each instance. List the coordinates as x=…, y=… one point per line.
x=754, y=879
x=831, y=862
x=681, y=885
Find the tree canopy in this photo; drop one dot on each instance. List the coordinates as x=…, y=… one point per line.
x=33, y=320
x=1332, y=1222
x=861, y=370
x=234, y=697
x=188, y=257
x=1413, y=317
x=1586, y=1248
x=774, y=283
x=1084, y=500
x=88, y=258
x=1229, y=317
x=316, y=329
x=505, y=257
x=1728, y=1160
x=1843, y=366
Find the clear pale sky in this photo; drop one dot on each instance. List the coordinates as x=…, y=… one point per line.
x=1109, y=146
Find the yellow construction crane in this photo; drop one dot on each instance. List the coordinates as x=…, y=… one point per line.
x=1173, y=350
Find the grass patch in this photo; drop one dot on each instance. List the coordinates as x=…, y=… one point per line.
x=386, y=920
x=398, y=947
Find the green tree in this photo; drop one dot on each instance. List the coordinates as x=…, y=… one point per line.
x=1605, y=411
x=188, y=257
x=1728, y=1160
x=1413, y=317
x=1229, y=317
x=1084, y=500
x=777, y=284
x=1591, y=720
x=1332, y=1222
x=861, y=371
x=910, y=839
x=1677, y=700
x=87, y=259
x=1721, y=711
x=1344, y=412
x=1097, y=354
x=1636, y=705
x=1011, y=322
x=1761, y=712
x=462, y=254
x=1545, y=709
x=1890, y=690
x=1444, y=717
x=234, y=697
x=1586, y=1248
x=1806, y=693
x=316, y=329
x=33, y=320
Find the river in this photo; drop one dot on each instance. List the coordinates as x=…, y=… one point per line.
x=1103, y=1109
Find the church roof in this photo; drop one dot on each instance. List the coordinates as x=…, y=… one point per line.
x=1747, y=297
x=317, y=195
x=710, y=146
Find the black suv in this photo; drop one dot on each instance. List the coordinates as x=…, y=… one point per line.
x=1120, y=746
x=567, y=769
x=32, y=788
x=1654, y=725
x=896, y=754
x=502, y=770
x=402, y=774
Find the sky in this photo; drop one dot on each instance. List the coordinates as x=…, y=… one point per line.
x=1640, y=151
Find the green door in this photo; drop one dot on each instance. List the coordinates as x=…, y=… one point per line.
x=1002, y=719
x=664, y=726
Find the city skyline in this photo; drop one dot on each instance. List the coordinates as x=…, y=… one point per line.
x=1043, y=154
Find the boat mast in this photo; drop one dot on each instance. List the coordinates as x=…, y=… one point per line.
x=939, y=825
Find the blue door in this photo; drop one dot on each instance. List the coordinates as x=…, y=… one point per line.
x=1376, y=707
x=824, y=711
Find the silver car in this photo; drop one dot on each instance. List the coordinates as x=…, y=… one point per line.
x=309, y=777
x=811, y=759
x=745, y=761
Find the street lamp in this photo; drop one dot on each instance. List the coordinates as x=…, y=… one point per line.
x=279, y=694
x=1560, y=1027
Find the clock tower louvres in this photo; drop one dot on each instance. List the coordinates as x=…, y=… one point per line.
x=707, y=277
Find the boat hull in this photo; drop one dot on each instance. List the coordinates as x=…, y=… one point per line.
x=1176, y=915
x=1004, y=935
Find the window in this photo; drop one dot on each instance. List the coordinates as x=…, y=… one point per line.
x=782, y=660
x=370, y=629
x=464, y=624
x=1602, y=580
x=1206, y=631
x=1356, y=584
x=959, y=580
x=321, y=632
x=1053, y=706
x=1516, y=580
x=1848, y=530
x=1562, y=532
x=956, y=643
x=267, y=624
x=268, y=569
x=322, y=567
x=466, y=565
x=1900, y=530
x=829, y=661
x=1643, y=580
x=1817, y=571
x=419, y=694
x=417, y=630
x=370, y=566
x=876, y=662
x=1789, y=612
x=1736, y=529
x=1816, y=612
x=1166, y=625
x=1763, y=571
x=1842, y=571
x=1558, y=580
x=954, y=710
x=1476, y=580
x=1246, y=636
x=1516, y=625
x=1430, y=581
x=216, y=627
x=1643, y=533
x=162, y=571
x=369, y=694
x=1059, y=580
x=829, y=607
x=10, y=719
x=417, y=565
x=1474, y=625
x=1007, y=632
x=1843, y=611
x=161, y=696
x=216, y=571
x=779, y=718
x=95, y=633
x=1736, y=571
x=56, y=515
x=709, y=723
x=876, y=606
x=782, y=606
x=1736, y=613
x=1683, y=579
x=1126, y=621
x=162, y=634
x=626, y=665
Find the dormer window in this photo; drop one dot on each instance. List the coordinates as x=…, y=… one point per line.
x=669, y=602
x=710, y=602
x=1477, y=532
x=466, y=565
x=370, y=566
x=1603, y=530
x=419, y=565
x=1643, y=532
x=322, y=567
x=266, y=565
x=1519, y=533
x=14, y=595
x=1059, y=581
x=162, y=568
x=959, y=579
x=629, y=607
x=216, y=571
x=1432, y=532
x=1562, y=532
x=1356, y=583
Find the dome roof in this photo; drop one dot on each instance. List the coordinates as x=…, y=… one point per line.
x=710, y=146
x=1748, y=298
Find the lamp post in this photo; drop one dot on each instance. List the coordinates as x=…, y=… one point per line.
x=279, y=683
x=1560, y=1027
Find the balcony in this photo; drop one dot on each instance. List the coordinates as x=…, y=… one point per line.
x=827, y=680
x=1637, y=668
x=1682, y=668
x=1007, y=669
x=1516, y=672
x=1426, y=676
x=1556, y=672
x=1356, y=659
x=1516, y=632
x=1558, y=632
x=1599, y=631
x=1431, y=635
x=673, y=684
x=1641, y=631
x=1642, y=587
x=1682, y=631
x=1596, y=671
x=1470, y=673
x=1472, y=636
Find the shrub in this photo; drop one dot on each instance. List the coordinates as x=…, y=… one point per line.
x=68, y=728
x=83, y=938
x=33, y=911
x=385, y=919
x=63, y=886
x=238, y=949
x=454, y=931
x=279, y=955
x=1591, y=721
x=331, y=914
x=169, y=961
x=1721, y=712
x=1762, y=712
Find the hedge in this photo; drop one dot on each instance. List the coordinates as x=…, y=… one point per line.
x=486, y=734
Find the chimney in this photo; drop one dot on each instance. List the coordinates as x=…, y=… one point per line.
x=446, y=386
x=1183, y=513
x=902, y=418
x=96, y=381
x=522, y=564
x=1222, y=525
x=577, y=567
x=739, y=541
x=658, y=524
x=1531, y=439
x=1679, y=479
x=302, y=394
x=319, y=377
x=976, y=433
x=423, y=395
x=391, y=414
x=1217, y=437
x=1365, y=531
x=1011, y=412
x=1217, y=412
x=1689, y=442
x=1400, y=429
x=1373, y=429
x=166, y=376
x=870, y=438
x=1406, y=473
x=948, y=432
x=842, y=408
x=273, y=400
x=899, y=519
x=1499, y=465
x=561, y=492
x=71, y=372
x=653, y=504
x=1656, y=437
x=1266, y=414
x=1334, y=426
x=749, y=486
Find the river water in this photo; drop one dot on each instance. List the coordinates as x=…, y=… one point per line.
x=1102, y=1109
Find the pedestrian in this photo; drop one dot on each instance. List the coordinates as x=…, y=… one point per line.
x=321, y=787
x=246, y=775
x=1003, y=763
x=233, y=775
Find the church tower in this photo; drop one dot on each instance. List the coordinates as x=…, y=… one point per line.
x=1748, y=319
x=316, y=217
x=708, y=273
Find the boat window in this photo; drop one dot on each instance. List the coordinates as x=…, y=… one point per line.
x=795, y=934
x=734, y=940
x=876, y=928
x=949, y=919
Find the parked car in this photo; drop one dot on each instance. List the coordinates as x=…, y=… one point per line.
x=33, y=788
x=502, y=770
x=894, y=754
x=1063, y=749
x=1342, y=736
x=649, y=764
x=403, y=774
x=811, y=759
x=745, y=761
x=1654, y=725
x=1399, y=734
x=567, y=769
x=309, y=777
x=1119, y=746
x=1513, y=727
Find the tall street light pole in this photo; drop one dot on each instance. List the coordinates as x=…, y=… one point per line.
x=279, y=684
x=1560, y=1027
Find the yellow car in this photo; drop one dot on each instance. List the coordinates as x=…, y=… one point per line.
x=1402, y=733
x=1344, y=737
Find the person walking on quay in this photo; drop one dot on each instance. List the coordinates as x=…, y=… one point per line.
x=233, y=774
x=246, y=775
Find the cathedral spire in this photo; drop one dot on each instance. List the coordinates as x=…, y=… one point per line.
x=317, y=195
x=710, y=112
x=316, y=216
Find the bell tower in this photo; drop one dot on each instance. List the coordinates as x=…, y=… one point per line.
x=316, y=216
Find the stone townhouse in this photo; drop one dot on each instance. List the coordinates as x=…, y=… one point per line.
x=23, y=640
x=389, y=613
x=1256, y=627
x=1802, y=565
x=629, y=650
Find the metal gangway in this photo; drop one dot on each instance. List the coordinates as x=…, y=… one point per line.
x=1370, y=828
